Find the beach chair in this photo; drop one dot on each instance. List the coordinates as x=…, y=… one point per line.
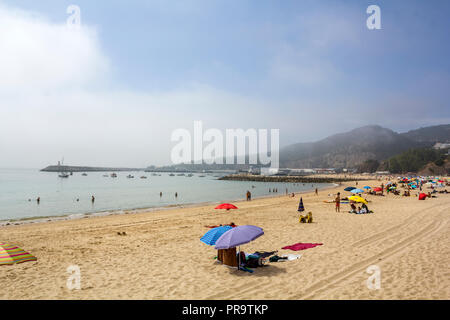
x=306, y=219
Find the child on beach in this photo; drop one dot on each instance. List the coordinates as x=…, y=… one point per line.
x=338, y=202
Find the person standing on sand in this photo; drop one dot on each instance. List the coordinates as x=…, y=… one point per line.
x=249, y=196
x=338, y=202
x=317, y=192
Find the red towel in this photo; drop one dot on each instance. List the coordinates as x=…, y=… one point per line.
x=302, y=246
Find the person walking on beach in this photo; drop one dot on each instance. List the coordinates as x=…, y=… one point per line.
x=338, y=202
x=317, y=192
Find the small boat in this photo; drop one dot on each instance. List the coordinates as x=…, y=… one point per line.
x=171, y=175
x=143, y=177
x=62, y=173
x=181, y=174
x=202, y=176
x=130, y=176
x=113, y=175
x=84, y=174
x=190, y=175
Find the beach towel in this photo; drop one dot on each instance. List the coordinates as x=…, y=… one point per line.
x=277, y=258
x=291, y=257
x=302, y=246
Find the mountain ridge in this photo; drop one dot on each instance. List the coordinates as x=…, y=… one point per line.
x=351, y=148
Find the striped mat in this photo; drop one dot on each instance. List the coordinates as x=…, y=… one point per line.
x=10, y=254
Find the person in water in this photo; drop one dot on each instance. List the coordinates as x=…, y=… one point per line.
x=249, y=196
x=38, y=200
x=160, y=194
x=93, y=199
x=176, y=194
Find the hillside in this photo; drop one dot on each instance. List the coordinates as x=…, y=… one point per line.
x=429, y=135
x=347, y=150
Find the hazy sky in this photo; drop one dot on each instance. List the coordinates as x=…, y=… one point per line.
x=112, y=92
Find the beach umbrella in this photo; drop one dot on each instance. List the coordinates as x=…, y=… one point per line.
x=212, y=235
x=377, y=189
x=300, y=206
x=367, y=187
x=10, y=254
x=238, y=236
x=357, y=199
x=349, y=188
x=226, y=206
x=357, y=191
x=422, y=196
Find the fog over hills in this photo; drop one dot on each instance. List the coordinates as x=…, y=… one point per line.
x=348, y=149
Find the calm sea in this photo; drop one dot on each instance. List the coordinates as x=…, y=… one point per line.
x=19, y=189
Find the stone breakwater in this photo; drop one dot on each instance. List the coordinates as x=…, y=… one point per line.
x=295, y=179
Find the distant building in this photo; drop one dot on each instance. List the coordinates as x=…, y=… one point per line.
x=269, y=171
x=440, y=145
x=326, y=171
x=301, y=172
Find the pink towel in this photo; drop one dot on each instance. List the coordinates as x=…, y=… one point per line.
x=302, y=246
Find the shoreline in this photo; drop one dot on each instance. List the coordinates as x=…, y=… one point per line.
x=137, y=210
x=297, y=179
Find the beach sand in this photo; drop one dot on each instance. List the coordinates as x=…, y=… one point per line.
x=161, y=256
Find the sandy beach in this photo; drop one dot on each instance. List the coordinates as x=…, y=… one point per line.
x=161, y=257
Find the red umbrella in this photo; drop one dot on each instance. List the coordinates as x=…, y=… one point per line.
x=422, y=196
x=377, y=189
x=227, y=206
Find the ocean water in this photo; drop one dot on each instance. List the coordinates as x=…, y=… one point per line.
x=19, y=189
